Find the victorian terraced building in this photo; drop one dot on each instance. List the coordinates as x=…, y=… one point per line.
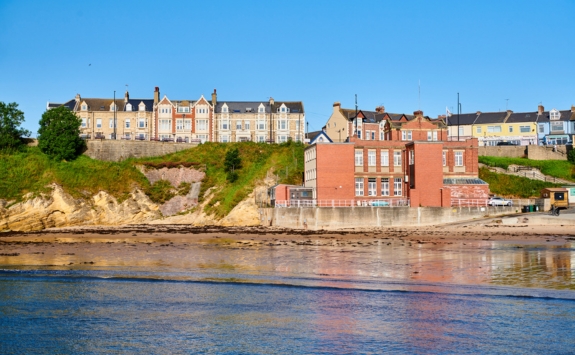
x=188, y=120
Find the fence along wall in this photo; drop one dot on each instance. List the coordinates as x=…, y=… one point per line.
x=117, y=150
x=373, y=217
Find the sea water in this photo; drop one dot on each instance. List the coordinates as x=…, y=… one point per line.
x=458, y=298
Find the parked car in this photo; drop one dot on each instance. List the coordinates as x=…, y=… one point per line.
x=379, y=203
x=506, y=143
x=499, y=201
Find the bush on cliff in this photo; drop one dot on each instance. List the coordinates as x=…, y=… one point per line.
x=10, y=132
x=59, y=134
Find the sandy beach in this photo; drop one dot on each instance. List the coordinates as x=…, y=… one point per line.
x=137, y=243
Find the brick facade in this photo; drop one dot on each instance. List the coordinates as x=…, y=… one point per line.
x=402, y=159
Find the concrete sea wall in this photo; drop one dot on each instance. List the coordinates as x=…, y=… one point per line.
x=118, y=150
x=534, y=152
x=373, y=217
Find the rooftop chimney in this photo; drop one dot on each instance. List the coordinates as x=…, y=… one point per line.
x=380, y=109
x=418, y=113
x=478, y=113
x=540, y=109
x=156, y=95
x=126, y=97
x=272, y=101
x=214, y=98
x=572, y=108
x=337, y=104
x=78, y=98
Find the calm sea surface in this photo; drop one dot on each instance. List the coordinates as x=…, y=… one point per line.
x=422, y=299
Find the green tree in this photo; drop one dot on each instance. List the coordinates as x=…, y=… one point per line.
x=232, y=163
x=59, y=134
x=10, y=132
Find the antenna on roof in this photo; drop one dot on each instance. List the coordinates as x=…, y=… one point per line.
x=419, y=96
x=506, y=104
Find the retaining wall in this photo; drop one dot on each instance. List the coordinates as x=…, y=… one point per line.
x=374, y=217
x=508, y=151
x=535, y=152
x=116, y=150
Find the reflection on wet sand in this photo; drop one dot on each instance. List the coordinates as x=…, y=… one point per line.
x=332, y=260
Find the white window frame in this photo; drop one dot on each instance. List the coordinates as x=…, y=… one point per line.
x=358, y=157
x=371, y=157
x=359, y=190
x=371, y=187
x=458, y=158
x=384, y=157
x=396, y=158
x=384, y=186
x=127, y=123
x=397, y=187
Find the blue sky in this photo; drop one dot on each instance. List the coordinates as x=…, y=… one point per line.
x=317, y=52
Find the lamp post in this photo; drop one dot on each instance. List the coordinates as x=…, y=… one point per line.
x=115, y=109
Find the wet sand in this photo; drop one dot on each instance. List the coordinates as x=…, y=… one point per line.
x=135, y=241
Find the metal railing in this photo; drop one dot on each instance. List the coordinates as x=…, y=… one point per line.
x=468, y=202
x=392, y=202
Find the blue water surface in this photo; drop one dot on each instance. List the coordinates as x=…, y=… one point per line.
x=88, y=312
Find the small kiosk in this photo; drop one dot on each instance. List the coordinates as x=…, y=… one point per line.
x=555, y=196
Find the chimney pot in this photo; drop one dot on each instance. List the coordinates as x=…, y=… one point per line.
x=337, y=104
x=540, y=109
x=572, y=108
x=418, y=113
x=380, y=109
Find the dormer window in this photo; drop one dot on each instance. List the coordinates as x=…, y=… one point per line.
x=84, y=107
x=129, y=107
x=554, y=115
x=113, y=107
x=142, y=107
x=261, y=109
x=283, y=109
x=225, y=109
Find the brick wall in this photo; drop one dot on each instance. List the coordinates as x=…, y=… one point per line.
x=335, y=171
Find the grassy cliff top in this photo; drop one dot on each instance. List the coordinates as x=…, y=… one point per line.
x=31, y=171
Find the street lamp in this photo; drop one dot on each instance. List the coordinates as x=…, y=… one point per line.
x=115, y=109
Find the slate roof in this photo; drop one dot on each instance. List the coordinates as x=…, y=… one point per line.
x=242, y=106
x=464, y=119
x=294, y=106
x=566, y=115
x=522, y=117
x=149, y=103
x=70, y=104
x=491, y=117
x=313, y=135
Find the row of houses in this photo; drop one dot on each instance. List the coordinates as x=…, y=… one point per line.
x=523, y=128
x=376, y=158
x=201, y=120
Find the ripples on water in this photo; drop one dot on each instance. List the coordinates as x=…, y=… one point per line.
x=458, y=299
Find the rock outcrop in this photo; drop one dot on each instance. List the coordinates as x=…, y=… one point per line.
x=59, y=209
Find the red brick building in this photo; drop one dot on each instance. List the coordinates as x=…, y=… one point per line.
x=395, y=160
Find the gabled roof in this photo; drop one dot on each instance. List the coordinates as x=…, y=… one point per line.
x=314, y=136
x=70, y=104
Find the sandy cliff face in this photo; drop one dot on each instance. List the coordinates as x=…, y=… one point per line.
x=59, y=209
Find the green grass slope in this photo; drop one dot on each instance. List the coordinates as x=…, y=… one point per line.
x=30, y=171
x=558, y=168
x=513, y=186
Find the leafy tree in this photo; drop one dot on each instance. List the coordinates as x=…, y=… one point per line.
x=10, y=120
x=59, y=134
x=231, y=163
